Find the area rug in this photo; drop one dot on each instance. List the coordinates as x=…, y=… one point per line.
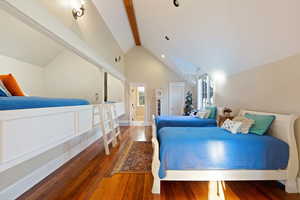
x=137, y=158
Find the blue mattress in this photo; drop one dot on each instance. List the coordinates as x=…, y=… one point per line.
x=20, y=102
x=189, y=148
x=183, y=121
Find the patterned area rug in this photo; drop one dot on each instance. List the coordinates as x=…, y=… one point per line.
x=137, y=158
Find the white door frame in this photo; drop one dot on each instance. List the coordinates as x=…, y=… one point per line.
x=169, y=92
x=135, y=123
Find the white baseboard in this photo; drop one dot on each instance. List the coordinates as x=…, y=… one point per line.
x=124, y=123
x=134, y=123
x=24, y=184
x=298, y=183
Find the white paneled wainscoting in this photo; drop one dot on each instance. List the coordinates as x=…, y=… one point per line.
x=27, y=134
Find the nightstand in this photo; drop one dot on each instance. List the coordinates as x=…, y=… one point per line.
x=222, y=119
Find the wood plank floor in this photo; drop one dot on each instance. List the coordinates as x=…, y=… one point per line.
x=87, y=177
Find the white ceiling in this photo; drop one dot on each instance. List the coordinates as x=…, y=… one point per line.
x=20, y=41
x=115, y=17
x=227, y=35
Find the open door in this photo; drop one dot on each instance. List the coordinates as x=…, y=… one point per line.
x=137, y=104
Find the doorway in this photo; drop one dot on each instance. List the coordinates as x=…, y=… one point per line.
x=138, y=104
x=176, y=98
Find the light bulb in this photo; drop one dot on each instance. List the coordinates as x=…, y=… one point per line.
x=219, y=76
x=75, y=4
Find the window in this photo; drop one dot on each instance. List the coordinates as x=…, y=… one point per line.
x=205, y=91
x=140, y=96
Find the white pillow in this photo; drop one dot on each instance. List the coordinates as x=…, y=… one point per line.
x=246, y=123
x=207, y=113
x=232, y=126
x=203, y=114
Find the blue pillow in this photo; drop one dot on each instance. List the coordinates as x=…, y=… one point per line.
x=262, y=123
x=2, y=93
x=213, y=112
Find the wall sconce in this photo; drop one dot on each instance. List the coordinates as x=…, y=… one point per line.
x=78, y=9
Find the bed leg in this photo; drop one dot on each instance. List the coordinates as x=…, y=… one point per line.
x=156, y=186
x=114, y=135
x=106, y=145
x=291, y=186
x=114, y=142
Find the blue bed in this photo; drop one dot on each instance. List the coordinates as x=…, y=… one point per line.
x=183, y=121
x=20, y=102
x=192, y=148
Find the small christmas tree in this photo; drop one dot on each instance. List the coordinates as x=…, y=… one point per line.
x=188, y=103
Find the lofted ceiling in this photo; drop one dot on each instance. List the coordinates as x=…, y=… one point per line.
x=21, y=42
x=227, y=35
x=216, y=35
x=114, y=15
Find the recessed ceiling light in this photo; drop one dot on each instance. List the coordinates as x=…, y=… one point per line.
x=219, y=76
x=163, y=55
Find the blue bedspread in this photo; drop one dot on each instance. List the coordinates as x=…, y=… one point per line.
x=20, y=102
x=215, y=148
x=183, y=121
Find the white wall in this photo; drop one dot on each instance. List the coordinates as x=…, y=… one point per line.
x=30, y=77
x=269, y=88
x=116, y=89
x=142, y=67
x=91, y=28
x=70, y=76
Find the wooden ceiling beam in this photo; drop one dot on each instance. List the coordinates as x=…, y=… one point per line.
x=132, y=21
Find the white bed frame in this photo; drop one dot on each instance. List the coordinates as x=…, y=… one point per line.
x=27, y=133
x=282, y=128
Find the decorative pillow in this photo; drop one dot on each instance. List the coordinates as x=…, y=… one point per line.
x=208, y=112
x=213, y=112
x=232, y=126
x=203, y=114
x=246, y=123
x=12, y=85
x=4, y=91
x=262, y=123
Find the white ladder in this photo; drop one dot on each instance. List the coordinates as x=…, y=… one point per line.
x=106, y=124
x=115, y=122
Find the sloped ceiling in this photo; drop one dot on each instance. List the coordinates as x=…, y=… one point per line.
x=114, y=15
x=227, y=35
x=19, y=41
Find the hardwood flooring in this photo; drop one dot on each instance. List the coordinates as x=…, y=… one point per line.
x=87, y=177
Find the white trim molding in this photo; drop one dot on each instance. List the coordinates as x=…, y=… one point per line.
x=298, y=183
x=134, y=123
x=24, y=184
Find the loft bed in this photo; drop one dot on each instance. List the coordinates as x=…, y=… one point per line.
x=282, y=130
x=26, y=133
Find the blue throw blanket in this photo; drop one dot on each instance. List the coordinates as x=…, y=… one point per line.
x=183, y=121
x=215, y=148
x=20, y=102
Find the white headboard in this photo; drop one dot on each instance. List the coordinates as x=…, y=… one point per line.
x=283, y=128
